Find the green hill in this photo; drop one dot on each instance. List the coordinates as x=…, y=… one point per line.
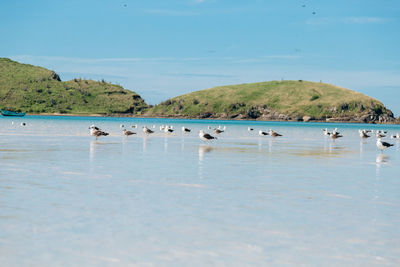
x=276, y=100
x=35, y=89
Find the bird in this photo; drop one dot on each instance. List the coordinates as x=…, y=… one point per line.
x=23, y=124
x=397, y=136
x=335, y=135
x=273, y=134
x=380, y=134
x=261, y=133
x=209, y=127
x=168, y=130
x=205, y=136
x=249, y=129
x=127, y=133
x=153, y=126
x=363, y=134
x=325, y=131
x=218, y=131
x=382, y=145
x=121, y=126
x=184, y=129
x=134, y=126
x=96, y=132
x=147, y=130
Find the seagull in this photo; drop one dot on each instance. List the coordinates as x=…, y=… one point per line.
x=382, y=145
x=147, y=130
x=96, y=132
x=379, y=134
x=335, y=135
x=134, y=126
x=261, y=133
x=23, y=123
x=205, y=136
x=127, y=133
x=218, y=131
x=335, y=131
x=326, y=133
x=153, y=126
x=249, y=129
x=363, y=134
x=121, y=126
x=273, y=134
x=397, y=136
x=168, y=130
x=184, y=129
x=209, y=127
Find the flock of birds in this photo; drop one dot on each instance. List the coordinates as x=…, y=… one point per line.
x=382, y=145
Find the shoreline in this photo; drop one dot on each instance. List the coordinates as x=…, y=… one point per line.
x=329, y=120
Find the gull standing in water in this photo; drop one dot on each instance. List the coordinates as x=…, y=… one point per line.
x=96, y=132
x=363, y=134
x=382, y=145
x=184, y=129
x=397, y=136
x=218, y=130
x=147, y=130
x=261, y=133
x=273, y=134
x=205, y=136
x=335, y=135
x=168, y=129
x=127, y=133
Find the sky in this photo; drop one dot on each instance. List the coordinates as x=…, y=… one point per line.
x=161, y=49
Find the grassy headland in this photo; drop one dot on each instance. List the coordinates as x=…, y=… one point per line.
x=35, y=89
x=276, y=100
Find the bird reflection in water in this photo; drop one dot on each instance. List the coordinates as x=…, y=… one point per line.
x=381, y=159
x=203, y=149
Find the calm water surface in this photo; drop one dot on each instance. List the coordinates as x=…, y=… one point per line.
x=174, y=200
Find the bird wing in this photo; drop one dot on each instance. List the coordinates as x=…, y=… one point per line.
x=207, y=136
x=387, y=144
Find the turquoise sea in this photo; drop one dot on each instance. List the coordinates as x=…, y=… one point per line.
x=173, y=200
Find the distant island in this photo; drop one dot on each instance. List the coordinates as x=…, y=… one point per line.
x=36, y=90
x=277, y=100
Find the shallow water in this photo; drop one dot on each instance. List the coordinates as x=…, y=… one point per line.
x=172, y=199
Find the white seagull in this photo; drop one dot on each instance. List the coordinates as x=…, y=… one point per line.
x=382, y=145
x=249, y=129
x=205, y=136
x=397, y=136
x=184, y=129
x=168, y=129
x=261, y=133
x=218, y=130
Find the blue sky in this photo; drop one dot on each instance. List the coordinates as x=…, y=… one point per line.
x=161, y=49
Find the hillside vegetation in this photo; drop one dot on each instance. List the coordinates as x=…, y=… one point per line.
x=276, y=100
x=35, y=89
